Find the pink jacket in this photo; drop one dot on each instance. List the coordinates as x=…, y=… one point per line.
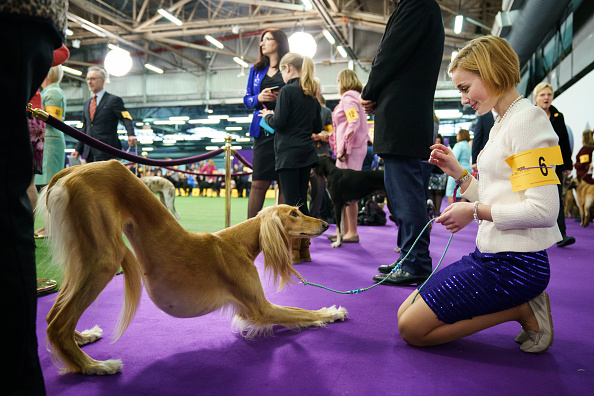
x=340, y=140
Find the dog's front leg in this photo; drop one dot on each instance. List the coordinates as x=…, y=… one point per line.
x=339, y=215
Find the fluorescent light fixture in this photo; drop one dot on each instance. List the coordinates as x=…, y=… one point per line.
x=148, y=148
x=179, y=118
x=169, y=16
x=139, y=123
x=153, y=68
x=240, y=61
x=341, y=50
x=69, y=32
x=303, y=43
x=233, y=128
x=205, y=121
x=71, y=71
x=69, y=150
x=169, y=141
x=116, y=48
x=307, y=4
x=458, y=22
x=93, y=29
x=241, y=120
x=243, y=140
x=448, y=114
x=235, y=147
x=211, y=148
x=328, y=36
x=145, y=141
x=214, y=41
x=220, y=117
x=217, y=140
x=169, y=122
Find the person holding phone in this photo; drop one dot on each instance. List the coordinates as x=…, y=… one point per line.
x=264, y=82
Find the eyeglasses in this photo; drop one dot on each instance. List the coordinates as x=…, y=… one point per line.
x=267, y=39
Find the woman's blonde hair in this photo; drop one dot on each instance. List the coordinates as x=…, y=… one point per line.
x=587, y=138
x=305, y=67
x=540, y=87
x=348, y=80
x=463, y=134
x=493, y=60
x=55, y=74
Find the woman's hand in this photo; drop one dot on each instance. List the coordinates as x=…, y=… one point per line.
x=443, y=157
x=265, y=112
x=267, y=96
x=456, y=216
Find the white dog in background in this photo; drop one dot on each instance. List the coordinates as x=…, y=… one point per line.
x=165, y=189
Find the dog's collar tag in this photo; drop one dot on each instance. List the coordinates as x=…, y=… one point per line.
x=534, y=168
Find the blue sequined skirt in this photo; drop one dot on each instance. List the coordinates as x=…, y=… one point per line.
x=484, y=283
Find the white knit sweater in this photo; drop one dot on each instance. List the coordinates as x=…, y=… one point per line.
x=523, y=221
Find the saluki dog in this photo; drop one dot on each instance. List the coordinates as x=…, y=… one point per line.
x=87, y=209
x=165, y=189
x=346, y=186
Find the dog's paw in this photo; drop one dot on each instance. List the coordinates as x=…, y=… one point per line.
x=334, y=313
x=336, y=244
x=88, y=336
x=106, y=367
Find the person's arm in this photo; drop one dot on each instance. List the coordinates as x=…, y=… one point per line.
x=250, y=100
x=564, y=144
x=282, y=111
x=580, y=166
x=122, y=113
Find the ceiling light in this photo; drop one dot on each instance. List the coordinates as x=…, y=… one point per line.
x=217, y=140
x=214, y=41
x=211, y=148
x=69, y=32
x=307, y=4
x=153, y=68
x=118, y=62
x=169, y=122
x=342, y=51
x=179, y=118
x=71, y=71
x=220, y=117
x=148, y=148
x=240, y=61
x=169, y=141
x=233, y=128
x=448, y=114
x=303, y=43
x=458, y=22
x=115, y=47
x=328, y=36
x=93, y=29
x=205, y=121
x=169, y=16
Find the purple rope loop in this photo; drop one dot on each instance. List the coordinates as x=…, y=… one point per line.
x=99, y=145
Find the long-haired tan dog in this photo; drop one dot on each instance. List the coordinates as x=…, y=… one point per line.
x=165, y=189
x=88, y=207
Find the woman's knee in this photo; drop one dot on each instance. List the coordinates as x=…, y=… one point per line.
x=409, y=332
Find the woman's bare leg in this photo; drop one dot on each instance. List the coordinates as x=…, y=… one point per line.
x=350, y=221
x=419, y=326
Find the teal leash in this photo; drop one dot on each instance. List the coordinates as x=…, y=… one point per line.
x=397, y=267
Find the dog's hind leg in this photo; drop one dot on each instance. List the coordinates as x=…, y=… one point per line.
x=82, y=284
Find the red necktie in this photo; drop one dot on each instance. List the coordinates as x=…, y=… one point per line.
x=93, y=107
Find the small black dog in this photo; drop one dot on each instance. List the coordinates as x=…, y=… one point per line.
x=346, y=186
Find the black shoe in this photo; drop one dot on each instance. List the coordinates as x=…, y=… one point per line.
x=400, y=278
x=566, y=241
x=385, y=269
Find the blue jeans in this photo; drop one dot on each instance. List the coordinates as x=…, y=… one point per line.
x=403, y=177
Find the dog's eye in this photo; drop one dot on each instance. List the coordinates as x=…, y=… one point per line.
x=294, y=213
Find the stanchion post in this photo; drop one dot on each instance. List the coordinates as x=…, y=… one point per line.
x=228, y=181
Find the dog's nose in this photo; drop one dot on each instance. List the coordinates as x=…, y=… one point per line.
x=325, y=225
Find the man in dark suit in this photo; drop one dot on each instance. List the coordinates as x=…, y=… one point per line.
x=483, y=126
x=102, y=113
x=400, y=92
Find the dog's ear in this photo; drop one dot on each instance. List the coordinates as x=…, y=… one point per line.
x=276, y=247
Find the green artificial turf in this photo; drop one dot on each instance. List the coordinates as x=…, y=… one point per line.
x=198, y=214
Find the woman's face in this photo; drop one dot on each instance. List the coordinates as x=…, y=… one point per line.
x=268, y=44
x=473, y=90
x=544, y=98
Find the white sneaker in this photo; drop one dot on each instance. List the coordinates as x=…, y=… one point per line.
x=541, y=341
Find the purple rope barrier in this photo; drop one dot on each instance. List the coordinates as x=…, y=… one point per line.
x=241, y=159
x=86, y=139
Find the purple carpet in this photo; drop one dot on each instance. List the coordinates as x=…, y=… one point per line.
x=163, y=355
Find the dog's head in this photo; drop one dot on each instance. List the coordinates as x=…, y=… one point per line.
x=278, y=225
x=324, y=166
